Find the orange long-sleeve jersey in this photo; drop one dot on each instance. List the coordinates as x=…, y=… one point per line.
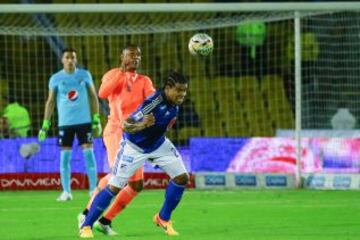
x=125, y=91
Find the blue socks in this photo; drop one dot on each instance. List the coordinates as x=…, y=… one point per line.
x=65, y=170
x=98, y=206
x=173, y=196
x=91, y=170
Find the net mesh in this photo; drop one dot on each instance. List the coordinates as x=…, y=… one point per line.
x=330, y=67
x=246, y=88
x=241, y=90
x=99, y=24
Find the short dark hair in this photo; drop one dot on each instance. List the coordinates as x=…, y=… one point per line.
x=174, y=77
x=68, y=49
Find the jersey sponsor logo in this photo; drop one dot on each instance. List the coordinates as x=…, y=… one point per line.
x=176, y=153
x=128, y=159
x=73, y=95
x=123, y=165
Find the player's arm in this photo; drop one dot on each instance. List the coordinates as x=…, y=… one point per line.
x=94, y=103
x=49, y=110
x=50, y=105
x=110, y=81
x=130, y=125
x=148, y=88
x=94, y=107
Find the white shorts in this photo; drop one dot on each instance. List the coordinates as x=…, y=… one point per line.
x=130, y=158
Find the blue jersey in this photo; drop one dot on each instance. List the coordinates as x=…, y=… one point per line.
x=149, y=139
x=72, y=96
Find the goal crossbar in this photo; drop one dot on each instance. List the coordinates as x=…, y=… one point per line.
x=179, y=7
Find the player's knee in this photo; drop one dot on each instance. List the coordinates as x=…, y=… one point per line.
x=137, y=186
x=181, y=179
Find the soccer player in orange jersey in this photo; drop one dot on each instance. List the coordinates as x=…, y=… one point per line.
x=125, y=90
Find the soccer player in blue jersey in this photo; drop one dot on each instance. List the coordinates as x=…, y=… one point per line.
x=78, y=114
x=144, y=139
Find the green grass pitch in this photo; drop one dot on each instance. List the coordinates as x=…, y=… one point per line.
x=210, y=215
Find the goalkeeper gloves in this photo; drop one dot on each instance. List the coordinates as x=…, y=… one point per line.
x=43, y=131
x=96, y=124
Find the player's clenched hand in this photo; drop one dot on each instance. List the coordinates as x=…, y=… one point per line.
x=149, y=120
x=131, y=126
x=96, y=124
x=44, y=129
x=42, y=135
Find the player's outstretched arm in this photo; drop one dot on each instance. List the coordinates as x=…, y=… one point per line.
x=131, y=126
x=49, y=110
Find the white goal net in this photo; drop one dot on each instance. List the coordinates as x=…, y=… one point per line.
x=249, y=87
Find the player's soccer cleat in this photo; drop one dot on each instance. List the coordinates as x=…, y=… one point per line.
x=86, y=232
x=166, y=225
x=64, y=196
x=81, y=219
x=105, y=229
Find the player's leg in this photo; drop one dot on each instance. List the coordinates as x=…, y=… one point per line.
x=128, y=160
x=170, y=161
x=111, y=138
x=100, y=203
x=85, y=138
x=65, y=141
x=123, y=198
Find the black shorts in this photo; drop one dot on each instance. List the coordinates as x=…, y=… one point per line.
x=83, y=133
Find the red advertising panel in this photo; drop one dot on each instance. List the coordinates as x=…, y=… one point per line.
x=51, y=181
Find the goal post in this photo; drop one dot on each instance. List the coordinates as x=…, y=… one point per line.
x=272, y=67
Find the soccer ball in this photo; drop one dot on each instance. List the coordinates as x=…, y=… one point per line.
x=201, y=44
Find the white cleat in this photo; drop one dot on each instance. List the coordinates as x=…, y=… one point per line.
x=105, y=229
x=64, y=196
x=81, y=219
